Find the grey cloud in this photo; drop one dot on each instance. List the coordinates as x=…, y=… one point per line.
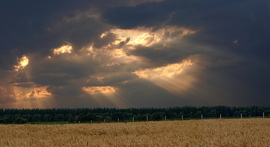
x=105, y=40
x=26, y=84
x=112, y=79
x=57, y=79
x=219, y=22
x=6, y=75
x=124, y=42
x=4, y=99
x=81, y=101
x=62, y=69
x=115, y=79
x=143, y=93
x=7, y=94
x=158, y=55
x=20, y=77
x=28, y=27
x=231, y=36
x=81, y=32
x=175, y=51
x=236, y=86
x=69, y=90
x=147, y=14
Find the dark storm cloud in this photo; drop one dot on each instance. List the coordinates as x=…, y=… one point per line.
x=159, y=55
x=232, y=35
x=25, y=84
x=143, y=93
x=80, y=32
x=24, y=27
x=115, y=79
x=31, y=26
x=149, y=14
x=105, y=40
x=7, y=94
x=35, y=28
x=6, y=74
x=218, y=22
x=61, y=70
x=124, y=42
x=5, y=98
x=66, y=90
x=112, y=79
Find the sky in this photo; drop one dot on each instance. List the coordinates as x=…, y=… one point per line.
x=134, y=53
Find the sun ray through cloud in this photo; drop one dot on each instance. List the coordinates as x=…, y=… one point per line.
x=101, y=94
x=119, y=53
x=175, y=78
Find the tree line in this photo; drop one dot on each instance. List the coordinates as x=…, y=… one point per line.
x=80, y=115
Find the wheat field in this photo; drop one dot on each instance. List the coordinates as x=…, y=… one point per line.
x=193, y=133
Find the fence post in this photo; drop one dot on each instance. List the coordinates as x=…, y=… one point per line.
x=263, y=114
x=241, y=115
x=165, y=118
x=146, y=117
x=219, y=116
x=133, y=119
x=182, y=117
x=118, y=119
x=201, y=116
x=104, y=120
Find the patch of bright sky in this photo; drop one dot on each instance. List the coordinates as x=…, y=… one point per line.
x=63, y=49
x=99, y=89
x=164, y=72
x=177, y=78
x=24, y=61
x=147, y=37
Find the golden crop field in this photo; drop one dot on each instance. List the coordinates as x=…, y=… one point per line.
x=193, y=133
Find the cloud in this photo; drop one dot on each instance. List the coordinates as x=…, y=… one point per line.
x=219, y=23
x=231, y=35
x=144, y=93
x=6, y=94
x=70, y=90
x=39, y=27
x=145, y=53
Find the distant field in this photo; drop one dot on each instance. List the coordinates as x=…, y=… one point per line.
x=215, y=132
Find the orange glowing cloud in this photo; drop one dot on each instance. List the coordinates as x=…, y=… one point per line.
x=62, y=49
x=115, y=53
x=24, y=61
x=31, y=92
x=164, y=72
x=147, y=37
x=100, y=90
x=24, y=95
x=104, y=94
x=177, y=78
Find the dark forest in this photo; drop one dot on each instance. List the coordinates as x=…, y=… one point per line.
x=87, y=115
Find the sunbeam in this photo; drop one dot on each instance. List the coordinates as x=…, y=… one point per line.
x=177, y=78
x=105, y=94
